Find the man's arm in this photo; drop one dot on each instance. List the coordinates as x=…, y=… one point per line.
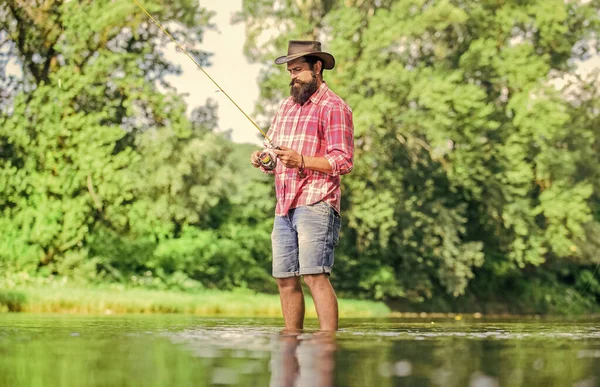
x=292, y=159
x=339, y=135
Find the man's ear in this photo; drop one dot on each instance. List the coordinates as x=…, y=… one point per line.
x=318, y=67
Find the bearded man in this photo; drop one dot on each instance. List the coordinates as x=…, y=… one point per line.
x=314, y=134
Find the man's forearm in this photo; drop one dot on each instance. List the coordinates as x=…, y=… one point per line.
x=317, y=163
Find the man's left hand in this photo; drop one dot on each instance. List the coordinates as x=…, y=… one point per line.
x=289, y=157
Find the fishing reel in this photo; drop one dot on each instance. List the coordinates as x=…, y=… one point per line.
x=268, y=158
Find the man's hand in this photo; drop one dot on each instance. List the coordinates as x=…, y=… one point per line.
x=254, y=159
x=289, y=157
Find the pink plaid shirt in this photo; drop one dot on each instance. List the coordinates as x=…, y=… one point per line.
x=321, y=127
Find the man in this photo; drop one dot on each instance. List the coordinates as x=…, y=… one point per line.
x=314, y=132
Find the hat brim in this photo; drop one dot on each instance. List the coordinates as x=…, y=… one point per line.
x=328, y=59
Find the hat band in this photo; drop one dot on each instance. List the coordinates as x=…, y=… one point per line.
x=302, y=53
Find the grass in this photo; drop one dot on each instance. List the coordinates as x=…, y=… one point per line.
x=242, y=303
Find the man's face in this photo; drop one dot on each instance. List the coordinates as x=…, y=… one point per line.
x=304, y=80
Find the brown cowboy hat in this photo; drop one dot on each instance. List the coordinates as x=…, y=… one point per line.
x=300, y=48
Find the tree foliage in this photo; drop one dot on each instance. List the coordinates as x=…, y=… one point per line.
x=103, y=175
x=475, y=179
x=472, y=168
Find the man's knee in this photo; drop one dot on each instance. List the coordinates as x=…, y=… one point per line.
x=315, y=279
x=288, y=284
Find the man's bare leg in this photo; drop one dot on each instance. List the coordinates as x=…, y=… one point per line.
x=325, y=300
x=292, y=302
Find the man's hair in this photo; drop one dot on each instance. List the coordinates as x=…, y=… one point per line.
x=311, y=60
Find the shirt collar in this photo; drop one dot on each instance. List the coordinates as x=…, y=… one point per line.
x=316, y=97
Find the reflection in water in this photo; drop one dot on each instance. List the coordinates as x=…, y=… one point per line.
x=150, y=351
x=303, y=360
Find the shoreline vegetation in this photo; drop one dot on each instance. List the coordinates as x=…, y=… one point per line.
x=108, y=301
x=101, y=300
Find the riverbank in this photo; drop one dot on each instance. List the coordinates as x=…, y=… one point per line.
x=239, y=303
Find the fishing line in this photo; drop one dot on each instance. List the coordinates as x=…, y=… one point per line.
x=579, y=295
x=202, y=69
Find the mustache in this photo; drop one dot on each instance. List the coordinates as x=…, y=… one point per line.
x=298, y=82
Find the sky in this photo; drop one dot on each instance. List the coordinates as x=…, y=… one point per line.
x=229, y=68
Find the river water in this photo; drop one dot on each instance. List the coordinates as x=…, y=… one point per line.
x=175, y=350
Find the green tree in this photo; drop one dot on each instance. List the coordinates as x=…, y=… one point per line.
x=103, y=175
x=471, y=168
x=95, y=141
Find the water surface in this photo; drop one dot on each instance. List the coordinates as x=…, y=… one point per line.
x=66, y=350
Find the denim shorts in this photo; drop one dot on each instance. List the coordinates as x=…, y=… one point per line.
x=304, y=239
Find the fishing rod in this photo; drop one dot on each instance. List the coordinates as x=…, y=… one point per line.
x=267, y=157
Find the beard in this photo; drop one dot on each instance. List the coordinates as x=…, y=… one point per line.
x=303, y=91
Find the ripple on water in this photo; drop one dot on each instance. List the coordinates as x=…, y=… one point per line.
x=581, y=334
